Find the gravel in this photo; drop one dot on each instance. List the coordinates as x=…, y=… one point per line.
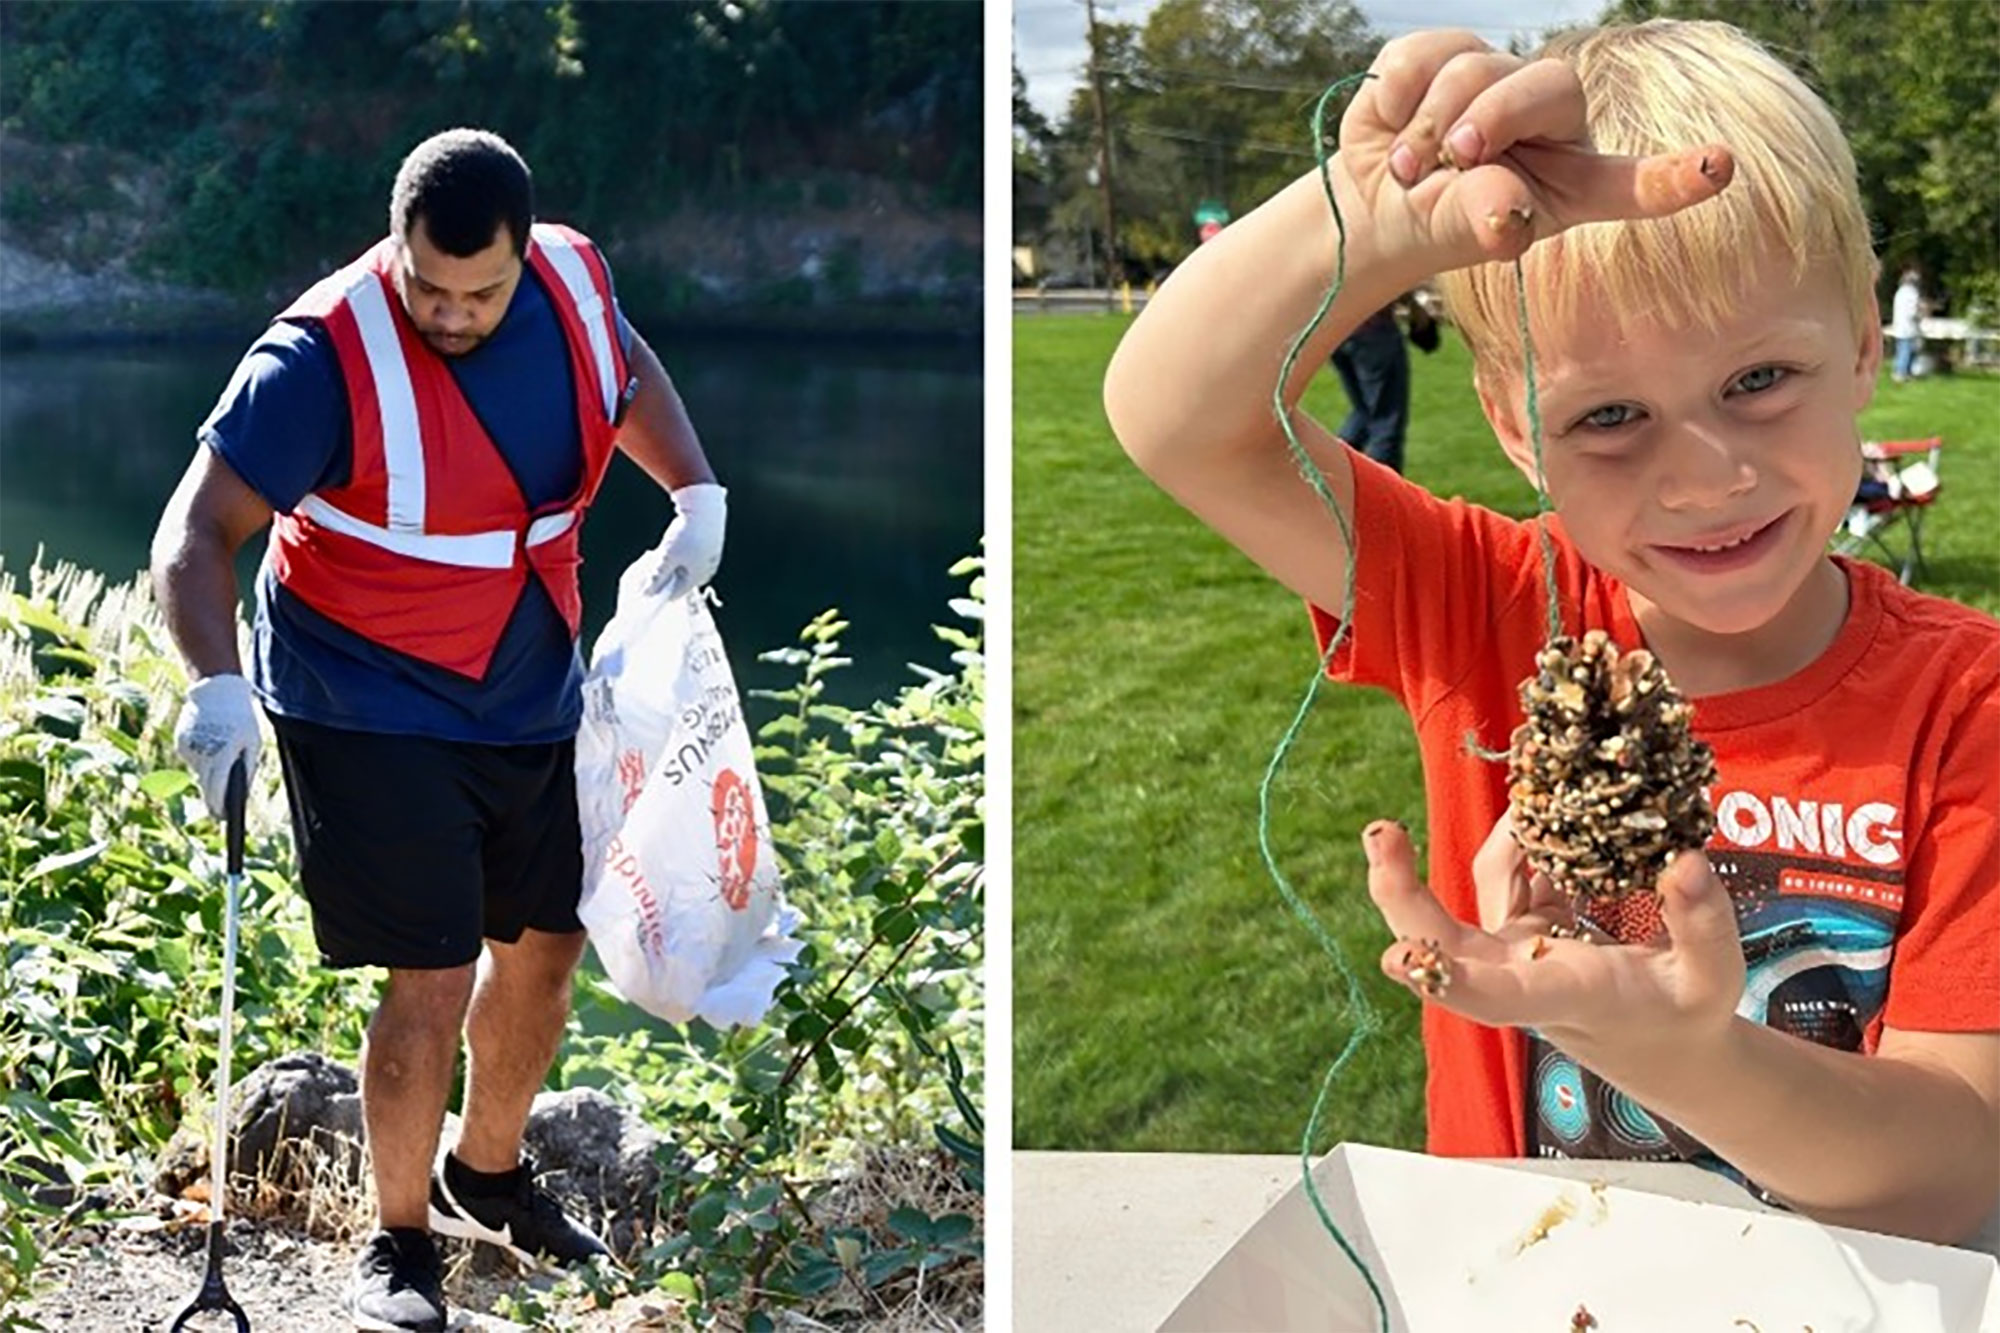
x=137, y=1276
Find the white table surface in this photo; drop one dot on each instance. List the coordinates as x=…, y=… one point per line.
x=1111, y=1242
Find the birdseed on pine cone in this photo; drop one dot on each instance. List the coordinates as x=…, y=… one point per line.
x=1606, y=776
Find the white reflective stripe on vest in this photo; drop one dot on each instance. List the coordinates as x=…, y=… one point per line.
x=473, y=550
x=402, y=443
x=590, y=308
x=550, y=526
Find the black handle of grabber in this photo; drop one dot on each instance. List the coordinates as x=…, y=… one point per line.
x=214, y=1296
x=234, y=798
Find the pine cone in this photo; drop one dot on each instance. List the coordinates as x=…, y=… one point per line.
x=1606, y=776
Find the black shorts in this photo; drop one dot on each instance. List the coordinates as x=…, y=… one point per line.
x=413, y=850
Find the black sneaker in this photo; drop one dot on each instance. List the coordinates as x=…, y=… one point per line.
x=398, y=1284
x=526, y=1221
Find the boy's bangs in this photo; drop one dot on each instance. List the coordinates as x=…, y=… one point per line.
x=1689, y=271
x=1669, y=87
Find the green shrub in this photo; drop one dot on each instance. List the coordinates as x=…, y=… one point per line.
x=110, y=968
x=877, y=1031
x=110, y=914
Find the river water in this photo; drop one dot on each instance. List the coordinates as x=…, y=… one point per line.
x=853, y=470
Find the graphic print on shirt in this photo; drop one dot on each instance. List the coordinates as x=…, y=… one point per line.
x=1818, y=891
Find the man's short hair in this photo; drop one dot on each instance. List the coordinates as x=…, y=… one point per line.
x=1665, y=86
x=465, y=184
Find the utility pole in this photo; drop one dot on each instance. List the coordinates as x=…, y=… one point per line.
x=1114, y=270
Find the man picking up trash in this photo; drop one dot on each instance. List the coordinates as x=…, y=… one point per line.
x=424, y=430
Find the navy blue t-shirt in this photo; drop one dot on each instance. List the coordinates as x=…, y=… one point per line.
x=282, y=424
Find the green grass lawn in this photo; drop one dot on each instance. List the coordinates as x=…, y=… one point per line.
x=1164, y=998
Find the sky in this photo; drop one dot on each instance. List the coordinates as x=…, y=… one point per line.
x=1050, y=48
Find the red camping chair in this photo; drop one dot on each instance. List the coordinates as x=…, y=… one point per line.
x=1899, y=484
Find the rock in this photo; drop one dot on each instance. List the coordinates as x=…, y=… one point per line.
x=48, y=1183
x=293, y=1120
x=183, y=1161
x=298, y=1112
x=297, y=1128
x=600, y=1158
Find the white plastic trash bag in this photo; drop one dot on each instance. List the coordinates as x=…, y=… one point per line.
x=680, y=886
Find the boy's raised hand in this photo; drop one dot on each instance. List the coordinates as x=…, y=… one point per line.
x=1608, y=1005
x=1464, y=154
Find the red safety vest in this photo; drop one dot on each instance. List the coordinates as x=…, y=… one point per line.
x=428, y=546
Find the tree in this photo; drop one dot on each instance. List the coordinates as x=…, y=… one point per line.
x=1211, y=99
x=279, y=125
x=1916, y=86
x=1033, y=136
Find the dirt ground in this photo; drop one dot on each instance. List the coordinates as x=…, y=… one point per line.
x=126, y=1280
x=135, y=1274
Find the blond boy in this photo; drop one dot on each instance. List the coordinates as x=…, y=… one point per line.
x=1816, y=1004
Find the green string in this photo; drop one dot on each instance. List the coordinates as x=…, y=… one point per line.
x=1366, y=1022
x=1552, y=612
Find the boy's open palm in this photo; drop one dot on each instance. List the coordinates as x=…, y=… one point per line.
x=1465, y=154
x=1606, y=1004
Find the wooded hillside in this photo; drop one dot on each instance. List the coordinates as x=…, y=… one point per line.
x=253, y=143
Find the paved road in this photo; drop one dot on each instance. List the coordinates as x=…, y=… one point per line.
x=1072, y=301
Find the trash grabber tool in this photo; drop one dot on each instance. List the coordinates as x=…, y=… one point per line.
x=214, y=1295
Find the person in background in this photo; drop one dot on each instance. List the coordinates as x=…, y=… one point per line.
x=424, y=431
x=1374, y=368
x=1906, y=323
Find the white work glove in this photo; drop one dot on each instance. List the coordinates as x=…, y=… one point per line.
x=690, y=553
x=217, y=726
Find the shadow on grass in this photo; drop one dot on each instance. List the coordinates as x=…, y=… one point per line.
x=1963, y=578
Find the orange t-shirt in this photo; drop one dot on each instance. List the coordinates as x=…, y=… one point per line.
x=1858, y=801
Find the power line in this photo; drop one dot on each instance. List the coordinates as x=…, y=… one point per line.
x=1303, y=90
x=1248, y=145
x=1249, y=80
